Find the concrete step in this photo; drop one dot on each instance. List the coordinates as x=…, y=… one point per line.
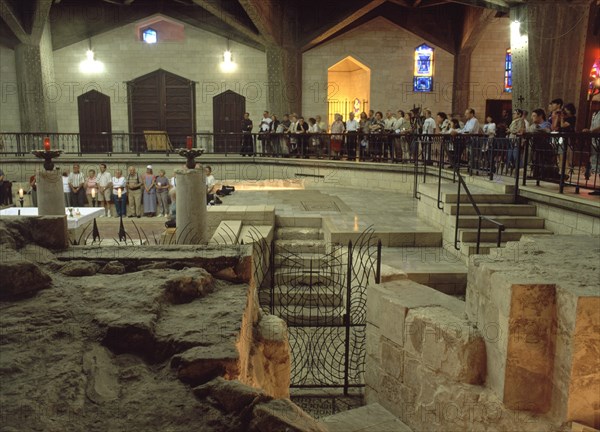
x=294, y=276
x=303, y=296
x=508, y=221
x=299, y=246
x=494, y=209
x=302, y=260
x=489, y=198
x=372, y=417
x=491, y=234
x=301, y=316
x=299, y=233
x=227, y=233
x=470, y=248
x=287, y=221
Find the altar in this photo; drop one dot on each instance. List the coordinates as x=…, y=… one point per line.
x=86, y=214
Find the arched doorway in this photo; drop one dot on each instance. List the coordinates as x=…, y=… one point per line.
x=94, y=122
x=348, y=88
x=162, y=101
x=228, y=111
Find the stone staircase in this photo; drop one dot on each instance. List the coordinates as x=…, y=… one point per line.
x=496, y=203
x=306, y=291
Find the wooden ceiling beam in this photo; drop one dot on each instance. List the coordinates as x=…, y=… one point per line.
x=229, y=19
x=344, y=22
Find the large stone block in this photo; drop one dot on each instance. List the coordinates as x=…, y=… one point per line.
x=392, y=358
x=446, y=344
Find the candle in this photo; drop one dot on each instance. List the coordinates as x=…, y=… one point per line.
x=93, y=193
x=189, y=143
x=119, y=193
x=47, y=144
x=21, y=193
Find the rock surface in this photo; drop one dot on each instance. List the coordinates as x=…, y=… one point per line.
x=79, y=268
x=21, y=278
x=112, y=267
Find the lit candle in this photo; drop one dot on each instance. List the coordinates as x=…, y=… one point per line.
x=93, y=193
x=47, y=144
x=189, y=143
x=21, y=193
x=119, y=193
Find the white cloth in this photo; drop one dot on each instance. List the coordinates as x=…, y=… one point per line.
x=397, y=126
x=173, y=181
x=76, y=179
x=388, y=123
x=314, y=128
x=471, y=127
x=352, y=125
x=210, y=182
x=119, y=182
x=489, y=129
x=104, y=179
x=66, y=188
x=265, y=124
x=428, y=126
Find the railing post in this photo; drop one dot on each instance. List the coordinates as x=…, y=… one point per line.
x=347, y=319
x=517, y=173
x=563, y=166
x=272, y=270
x=491, y=142
x=478, y=235
x=378, y=264
x=457, y=215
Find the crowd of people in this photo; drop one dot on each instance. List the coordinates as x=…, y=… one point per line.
x=373, y=136
x=133, y=194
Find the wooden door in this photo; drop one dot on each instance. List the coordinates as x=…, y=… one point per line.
x=228, y=112
x=494, y=107
x=162, y=101
x=94, y=122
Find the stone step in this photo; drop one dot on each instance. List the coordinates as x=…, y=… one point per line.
x=302, y=260
x=470, y=248
x=298, y=221
x=489, y=198
x=299, y=233
x=303, y=296
x=494, y=209
x=227, y=233
x=303, y=316
x=304, y=276
x=372, y=417
x=299, y=246
x=491, y=234
x=508, y=221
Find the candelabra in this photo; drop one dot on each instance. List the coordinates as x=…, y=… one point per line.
x=47, y=155
x=95, y=232
x=122, y=234
x=190, y=155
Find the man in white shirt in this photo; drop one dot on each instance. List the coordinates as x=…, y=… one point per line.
x=262, y=143
x=428, y=129
x=76, y=181
x=352, y=127
x=119, y=183
x=104, y=189
x=472, y=124
x=388, y=128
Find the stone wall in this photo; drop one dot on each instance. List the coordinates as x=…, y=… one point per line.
x=487, y=66
x=388, y=51
x=197, y=58
x=9, y=95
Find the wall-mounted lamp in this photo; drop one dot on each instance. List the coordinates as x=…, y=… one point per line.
x=90, y=65
x=228, y=65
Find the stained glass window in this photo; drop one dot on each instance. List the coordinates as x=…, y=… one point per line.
x=594, y=77
x=150, y=36
x=508, y=72
x=423, y=74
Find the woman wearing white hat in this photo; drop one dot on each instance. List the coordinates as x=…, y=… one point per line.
x=149, y=183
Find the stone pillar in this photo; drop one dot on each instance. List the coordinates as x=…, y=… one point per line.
x=549, y=53
x=284, y=71
x=51, y=200
x=191, y=206
x=37, y=88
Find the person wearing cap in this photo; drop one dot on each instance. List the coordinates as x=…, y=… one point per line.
x=149, y=183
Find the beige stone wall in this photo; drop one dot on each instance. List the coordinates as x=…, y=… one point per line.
x=388, y=51
x=196, y=58
x=561, y=221
x=9, y=99
x=487, y=66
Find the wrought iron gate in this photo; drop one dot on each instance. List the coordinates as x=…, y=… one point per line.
x=322, y=297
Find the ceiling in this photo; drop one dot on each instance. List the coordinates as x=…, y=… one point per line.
x=303, y=24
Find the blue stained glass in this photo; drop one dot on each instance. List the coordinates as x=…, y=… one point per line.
x=150, y=36
x=508, y=72
x=423, y=84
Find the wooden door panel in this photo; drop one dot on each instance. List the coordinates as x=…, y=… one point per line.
x=228, y=112
x=94, y=122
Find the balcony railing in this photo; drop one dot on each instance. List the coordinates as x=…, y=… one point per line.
x=564, y=159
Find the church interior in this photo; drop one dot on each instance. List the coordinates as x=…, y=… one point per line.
x=284, y=215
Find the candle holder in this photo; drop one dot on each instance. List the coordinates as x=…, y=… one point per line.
x=21, y=199
x=191, y=155
x=47, y=155
x=122, y=234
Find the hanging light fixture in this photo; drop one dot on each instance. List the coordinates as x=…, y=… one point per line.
x=90, y=65
x=228, y=65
